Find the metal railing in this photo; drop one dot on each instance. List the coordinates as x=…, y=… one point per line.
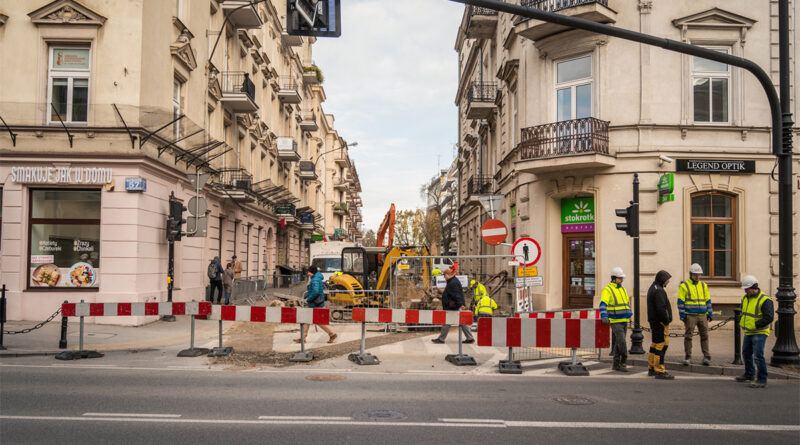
x=527, y=354
x=248, y=290
x=482, y=92
x=238, y=82
x=558, y=5
x=480, y=185
x=306, y=166
x=237, y=178
x=572, y=137
x=289, y=83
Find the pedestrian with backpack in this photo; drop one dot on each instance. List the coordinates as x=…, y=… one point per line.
x=315, y=297
x=215, y=275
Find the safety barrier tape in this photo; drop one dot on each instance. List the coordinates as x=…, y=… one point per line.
x=270, y=314
x=135, y=309
x=543, y=333
x=580, y=314
x=412, y=316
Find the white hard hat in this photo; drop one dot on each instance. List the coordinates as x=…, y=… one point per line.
x=696, y=269
x=617, y=272
x=749, y=281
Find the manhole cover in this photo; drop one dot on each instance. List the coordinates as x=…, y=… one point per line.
x=380, y=414
x=324, y=377
x=573, y=400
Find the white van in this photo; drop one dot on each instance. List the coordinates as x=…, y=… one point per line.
x=441, y=263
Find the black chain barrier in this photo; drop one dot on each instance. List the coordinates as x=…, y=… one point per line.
x=710, y=328
x=26, y=330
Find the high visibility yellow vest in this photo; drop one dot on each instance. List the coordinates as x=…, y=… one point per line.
x=694, y=296
x=485, y=305
x=479, y=291
x=751, y=312
x=617, y=303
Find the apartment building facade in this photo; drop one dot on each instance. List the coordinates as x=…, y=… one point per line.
x=558, y=121
x=111, y=106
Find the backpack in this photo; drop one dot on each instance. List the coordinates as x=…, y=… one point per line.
x=212, y=271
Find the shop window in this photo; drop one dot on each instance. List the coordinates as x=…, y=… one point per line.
x=68, y=84
x=711, y=90
x=64, y=238
x=714, y=234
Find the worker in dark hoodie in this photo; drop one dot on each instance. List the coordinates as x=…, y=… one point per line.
x=659, y=314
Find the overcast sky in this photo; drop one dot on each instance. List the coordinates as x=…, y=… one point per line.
x=390, y=80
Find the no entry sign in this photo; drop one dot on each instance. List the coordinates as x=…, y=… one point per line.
x=527, y=251
x=494, y=232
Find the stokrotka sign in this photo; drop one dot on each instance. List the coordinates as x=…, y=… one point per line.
x=577, y=215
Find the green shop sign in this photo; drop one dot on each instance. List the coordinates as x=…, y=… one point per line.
x=577, y=215
x=666, y=185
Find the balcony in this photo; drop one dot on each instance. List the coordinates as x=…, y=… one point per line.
x=241, y=14
x=287, y=150
x=481, y=100
x=307, y=171
x=307, y=221
x=237, y=184
x=290, y=40
x=312, y=75
x=289, y=92
x=340, y=208
x=480, y=185
x=594, y=10
x=481, y=23
x=341, y=159
x=565, y=145
x=340, y=184
x=238, y=92
x=285, y=211
x=308, y=121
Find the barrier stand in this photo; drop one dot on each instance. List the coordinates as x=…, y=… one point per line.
x=573, y=367
x=192, y=351
x=219, y=351
x=364, y=358
x=303, y=355
x=80, y=353
x=62, y=342
x=510, y=366
x=460, y=359
x=737, y=338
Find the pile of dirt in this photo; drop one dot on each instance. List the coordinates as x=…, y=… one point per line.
x=411, y=296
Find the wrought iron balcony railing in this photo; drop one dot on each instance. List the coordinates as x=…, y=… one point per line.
x=572, y=137
x=480, y=185
x=238, y=82
x=482, y=92
x=558, y=5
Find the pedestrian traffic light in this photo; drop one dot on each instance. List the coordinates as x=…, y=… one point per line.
x=175, y=220
x=631, y=224
x=320, y=18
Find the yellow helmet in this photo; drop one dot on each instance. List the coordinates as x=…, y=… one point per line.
x=472, y=283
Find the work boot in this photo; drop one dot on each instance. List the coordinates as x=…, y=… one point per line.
x=651, y=372
x=758, y=385
x=665, y=376
x=743, y=379
x=706, y=361
x=623, y=367
x=615, y=364
x=687, y=361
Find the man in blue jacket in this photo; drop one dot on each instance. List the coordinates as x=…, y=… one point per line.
x=453, y=300
x=315, y=297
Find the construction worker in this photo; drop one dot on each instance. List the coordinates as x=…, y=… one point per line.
x=694, y=309
x=484, y=304
x=615, y=308
x=757, y=315
x=436, y=272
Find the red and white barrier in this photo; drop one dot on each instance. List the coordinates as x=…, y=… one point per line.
x=135, y=309
x=412, y=316
x=271, y=314
x=543, y=333
x=579, y=314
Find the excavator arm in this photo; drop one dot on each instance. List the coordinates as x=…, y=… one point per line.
x=387, y=224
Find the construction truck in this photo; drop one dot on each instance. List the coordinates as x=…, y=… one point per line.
x=327, y=256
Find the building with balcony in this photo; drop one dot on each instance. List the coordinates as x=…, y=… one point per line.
x=571, y=116
x=119, y=104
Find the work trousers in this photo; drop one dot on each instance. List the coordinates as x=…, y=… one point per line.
x=619, y=347
x=753, y=347
x=702, y=328
x=658, y=347
x=216, y=284
x=446, y=330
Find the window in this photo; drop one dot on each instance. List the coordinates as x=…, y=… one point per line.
x=710, y=90
x=713, y=234
x=64, y=238
x=574, y=88
x=176, y=107
x=68, y=84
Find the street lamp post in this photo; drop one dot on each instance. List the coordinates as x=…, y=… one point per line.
x=324, y=186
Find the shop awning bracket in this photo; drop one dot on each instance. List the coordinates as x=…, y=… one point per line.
x=200, y=152
x=164, y=148
x=69, y=135
x=130, y=134
x=149, y=135
x=192, y=151
x=13, y=135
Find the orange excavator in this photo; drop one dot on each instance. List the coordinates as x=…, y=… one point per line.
x=388, y=223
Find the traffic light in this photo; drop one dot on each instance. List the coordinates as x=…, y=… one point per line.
x=175, y=220
x=320, y=18
x=631, y=224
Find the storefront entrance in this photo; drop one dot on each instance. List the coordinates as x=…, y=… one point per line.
x=578, y=253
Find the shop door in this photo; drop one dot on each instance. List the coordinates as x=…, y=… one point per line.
x=578, y=270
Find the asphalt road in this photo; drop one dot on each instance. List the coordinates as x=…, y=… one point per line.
x=82, y=403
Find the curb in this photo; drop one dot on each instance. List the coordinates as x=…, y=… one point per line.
x=732, y=371
x=28, y=353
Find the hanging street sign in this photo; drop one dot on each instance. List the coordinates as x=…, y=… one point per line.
x=494, y=232
x=526, y=251
x=666, y=185
x=491, y=203
x=198, y=180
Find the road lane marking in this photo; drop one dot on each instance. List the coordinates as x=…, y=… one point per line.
x=473, y=420
x=304, y=418
x=166, y=416
x=722, y=427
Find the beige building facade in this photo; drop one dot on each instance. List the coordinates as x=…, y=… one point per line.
x=558, y=121
x=111, y=106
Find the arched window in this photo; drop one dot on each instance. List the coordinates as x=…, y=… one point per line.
x=714, y=234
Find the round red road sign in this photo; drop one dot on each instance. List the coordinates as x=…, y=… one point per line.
x=494, y=232
x=527, y=251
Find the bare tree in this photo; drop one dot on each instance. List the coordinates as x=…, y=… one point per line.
x=368, y=238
